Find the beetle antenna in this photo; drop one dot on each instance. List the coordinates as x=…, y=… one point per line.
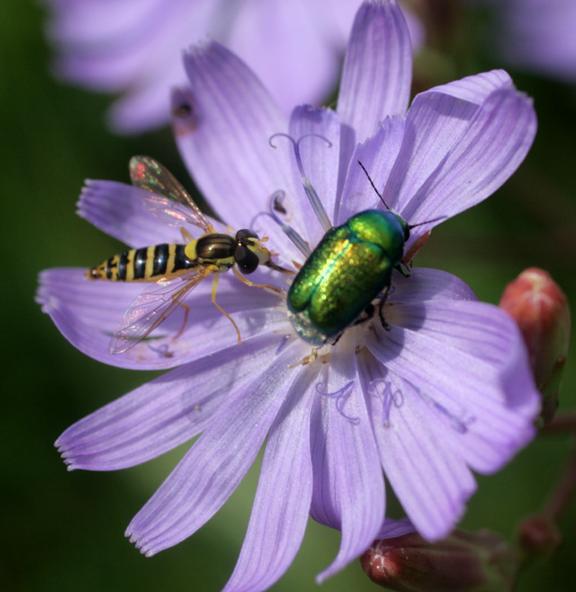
x=411, y=226
x=373, y=185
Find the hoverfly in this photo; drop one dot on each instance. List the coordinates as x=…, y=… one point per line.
x=176, y=268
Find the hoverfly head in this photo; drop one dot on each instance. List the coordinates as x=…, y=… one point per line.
x=249, y=252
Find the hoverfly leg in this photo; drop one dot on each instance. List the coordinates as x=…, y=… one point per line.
x=186, y=309
x=267, y=287
x=186, y=236
x=275, y=267
x=220, y=309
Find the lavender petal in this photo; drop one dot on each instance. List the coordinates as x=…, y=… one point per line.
x=320, y=153
x=459, y=392
x=164, y=413
x=89, y=312
x=350, y=479
x=436, y=122
x=427, y=475
x=428, y=284
x=118, y=210
x=395, y=528
x=293, y=47
x=485, y=341
x=282, y=503
x=378, y=155
x=378, y=68
x=212, y=469
x=474, y=89
x=493, y=147
x=223, y=124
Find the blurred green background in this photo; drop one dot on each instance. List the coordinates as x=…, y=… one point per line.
x=64, y=531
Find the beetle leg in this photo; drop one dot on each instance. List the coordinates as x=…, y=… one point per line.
x=404, y=269
x=220, y=309
x=267, y=287
x=383, y=321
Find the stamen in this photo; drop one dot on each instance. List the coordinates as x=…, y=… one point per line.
x=390, y=397
x=341, y=397
x=292, y=234
x=313, y=198
x=284, y=341
x=163, y=350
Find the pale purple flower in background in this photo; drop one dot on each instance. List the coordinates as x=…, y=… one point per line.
x=133, y=47
x=538, y=35
x=447, y=390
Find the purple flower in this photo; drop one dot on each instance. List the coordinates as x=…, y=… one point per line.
x=133, y=47
x=539, y=35
x=446, y=390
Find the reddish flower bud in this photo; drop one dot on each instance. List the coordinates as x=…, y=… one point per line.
x=538, y=535
x=541, y=310
x=463, y=562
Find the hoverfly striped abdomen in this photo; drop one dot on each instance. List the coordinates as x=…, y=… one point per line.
x=145, y=264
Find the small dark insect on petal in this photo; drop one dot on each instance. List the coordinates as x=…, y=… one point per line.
x=183, y=112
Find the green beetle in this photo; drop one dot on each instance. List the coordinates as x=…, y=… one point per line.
x=351, y=266
x=348, y=269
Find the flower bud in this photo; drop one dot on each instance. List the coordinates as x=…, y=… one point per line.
x=541, y=310
x=463, y=562
x=538, y=535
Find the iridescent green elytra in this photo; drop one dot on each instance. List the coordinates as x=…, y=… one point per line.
x=351, y=265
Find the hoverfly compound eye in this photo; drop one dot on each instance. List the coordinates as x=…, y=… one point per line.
x=246, y=260
x=244, y=234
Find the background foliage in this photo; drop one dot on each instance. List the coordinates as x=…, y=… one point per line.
x=65, y=531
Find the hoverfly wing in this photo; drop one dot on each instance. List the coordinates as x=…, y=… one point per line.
x=171, y=212
x=170, y=199
x=151, y=308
